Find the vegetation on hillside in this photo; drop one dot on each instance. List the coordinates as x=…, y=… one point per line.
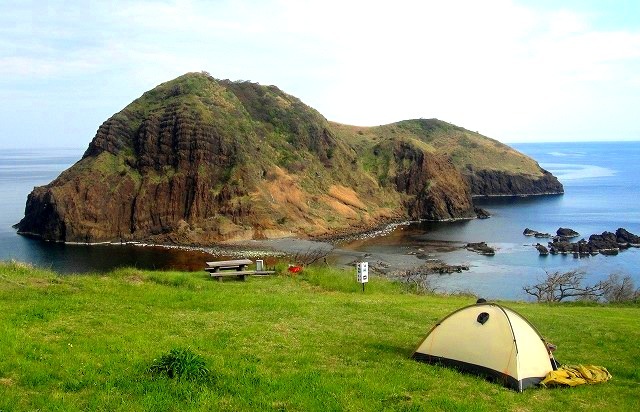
x=307, y=342
x=468, y=150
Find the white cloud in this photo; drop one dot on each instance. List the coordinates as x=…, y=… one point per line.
x=495, y=66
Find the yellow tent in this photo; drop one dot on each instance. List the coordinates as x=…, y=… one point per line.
x=490, y=340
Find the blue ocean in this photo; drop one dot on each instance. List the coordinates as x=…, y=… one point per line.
x=22, y=170
x=601, y=194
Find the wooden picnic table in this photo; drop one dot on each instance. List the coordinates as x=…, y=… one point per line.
x=238, y=268
x=237, y=265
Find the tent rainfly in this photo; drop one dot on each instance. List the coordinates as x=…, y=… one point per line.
x=491, y=340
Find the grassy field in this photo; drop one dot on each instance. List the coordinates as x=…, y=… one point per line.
x=311, y=342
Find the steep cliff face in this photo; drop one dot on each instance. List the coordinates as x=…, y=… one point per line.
x=164, y=161
x=500, y=183
x=435, y=189
x=198, y=160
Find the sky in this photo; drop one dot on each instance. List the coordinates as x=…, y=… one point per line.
x=516, y=71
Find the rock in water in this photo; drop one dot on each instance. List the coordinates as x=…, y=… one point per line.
x=605, y=241
x=198, y=160
x=624, y=236
x=535, y=233
x=481, y=248
x=566, y=232
x=542, y=249
x=560, y=246
x=481, y=213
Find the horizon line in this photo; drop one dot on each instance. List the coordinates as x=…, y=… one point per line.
x=504, y=142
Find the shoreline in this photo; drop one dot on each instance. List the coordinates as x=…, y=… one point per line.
x=520, y=195
x=231, y=247
x=281, y=248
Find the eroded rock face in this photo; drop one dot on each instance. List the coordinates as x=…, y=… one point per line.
x=437, y=190
x=41, y=215
x=495, y=183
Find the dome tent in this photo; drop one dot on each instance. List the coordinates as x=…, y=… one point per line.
x=491, y=340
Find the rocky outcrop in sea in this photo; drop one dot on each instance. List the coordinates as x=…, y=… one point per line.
x=561, y=233
x=606, y=243
x=566, y=232
x=481, y=213
x=481, y=248
x=495, y=183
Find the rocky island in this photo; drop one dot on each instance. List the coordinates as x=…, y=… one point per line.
x=607, y=243
x=199, y=160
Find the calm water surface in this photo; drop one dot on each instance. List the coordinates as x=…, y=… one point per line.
x=601, y=193
x=20, y=171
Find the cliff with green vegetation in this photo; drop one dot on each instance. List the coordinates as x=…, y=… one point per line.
x=489, y=167
x=198, y=160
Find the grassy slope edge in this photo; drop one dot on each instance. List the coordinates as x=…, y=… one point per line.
x=313, y=342
x=466, y=149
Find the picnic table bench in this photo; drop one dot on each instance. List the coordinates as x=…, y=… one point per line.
x=238, y=268
x=238, y=265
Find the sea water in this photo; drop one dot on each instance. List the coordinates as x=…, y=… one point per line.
x=601, y=194
x=601, y=182
x=22, y=170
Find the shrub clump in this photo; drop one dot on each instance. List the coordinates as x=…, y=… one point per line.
x=180, y=364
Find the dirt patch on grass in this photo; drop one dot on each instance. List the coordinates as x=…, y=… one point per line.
x=135, y=280
x=43, y=282
x=6, y=382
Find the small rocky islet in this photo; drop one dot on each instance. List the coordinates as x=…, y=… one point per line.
x=606, y=243
x=481, y=248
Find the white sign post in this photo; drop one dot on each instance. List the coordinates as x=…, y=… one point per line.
x=363, y=273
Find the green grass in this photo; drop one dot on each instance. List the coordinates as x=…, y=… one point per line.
x=180, y=363
x=312, y=342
